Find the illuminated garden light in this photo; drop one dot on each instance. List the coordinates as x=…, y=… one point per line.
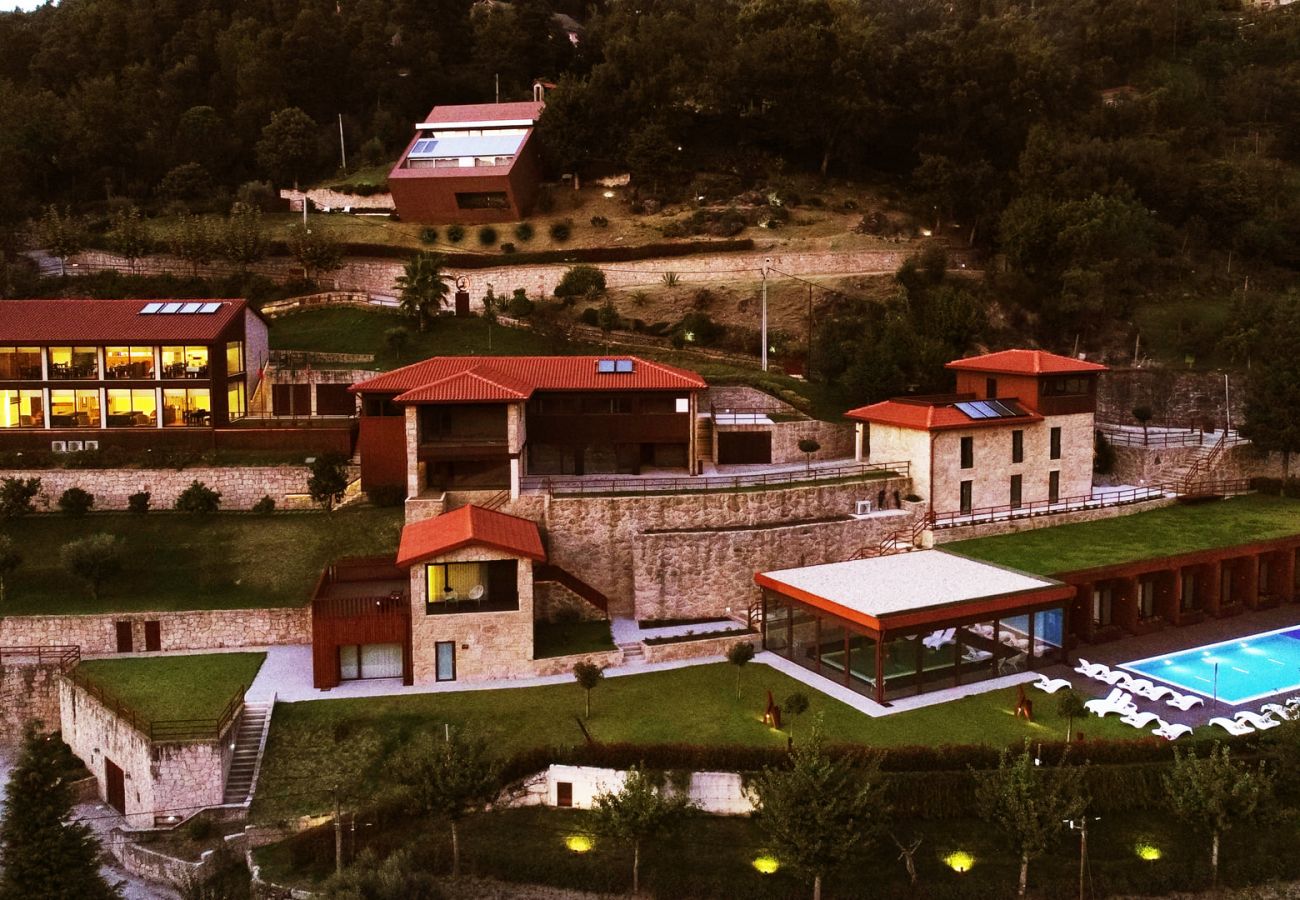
x=578, y=843
x=959, y=861
x=1147, y=851
x=766, y=864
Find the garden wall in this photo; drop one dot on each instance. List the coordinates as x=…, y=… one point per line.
x=563, y=665
x=184, y=630
x=240, y=486
x=29, y=692
x=706, y=647
x=836, y=440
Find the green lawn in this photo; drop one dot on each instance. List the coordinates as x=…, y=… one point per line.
x=175, y=561
x=568, y=638
x=165, y=688
x=696, y=704
x=1162, y=532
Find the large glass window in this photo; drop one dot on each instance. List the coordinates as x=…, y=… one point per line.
x=128, y=362
x=74, y=362
x=1016, y=491
x=966, y=488
x=234, y=357
x=22, y=409
x=20, y=363
x=187, y=406
x=1189, y=600
x=132, y=408
x=1053, y=486
x=488, y=586
x=1146, y=598
x=237, y=400
x=1103, y=606
x=185, y=362
x=74, y=408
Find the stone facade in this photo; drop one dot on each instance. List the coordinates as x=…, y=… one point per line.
x=552, y=601
x=29, y=692
x=706, y=647
x=1148, y=465
x=836, y=440
x=717, y=793
x=1181, y=398
x=240, y=486
x=186, y=630
x=563, y=665
x=157, y=777
x=693, y=574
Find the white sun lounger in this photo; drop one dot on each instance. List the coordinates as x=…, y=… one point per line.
x=1277, y=709
x=1262, y=723
x=1156, y=692
x=937, y=639
x=1234, y=728
x=1116, y=702
x=1184, y=702
x=1051, y=685
x=1140, y=719
x=1106, y=675
x=1171, y=731
x=1138, y=686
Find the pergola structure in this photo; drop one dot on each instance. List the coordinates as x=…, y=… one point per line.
x=898, y=625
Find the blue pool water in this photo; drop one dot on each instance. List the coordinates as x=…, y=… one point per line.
x=1236, y=671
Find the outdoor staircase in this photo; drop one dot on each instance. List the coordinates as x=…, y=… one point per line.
x=248, y=745
x=904, y=540
x=633, y=653
x=704, y=439
x=497, y=500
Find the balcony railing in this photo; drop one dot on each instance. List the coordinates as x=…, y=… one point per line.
x=164, y=730
x=65, y=656
x=560, y=486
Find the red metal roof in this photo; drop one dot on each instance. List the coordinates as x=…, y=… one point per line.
x=932, y=416
x=99, y=321
x=507, y=379
x=486, y=112
x=1025, y=362
x=466, y=526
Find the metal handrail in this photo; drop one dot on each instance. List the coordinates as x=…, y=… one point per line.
x=162, y=730
x=637, y=485
x=66, y=655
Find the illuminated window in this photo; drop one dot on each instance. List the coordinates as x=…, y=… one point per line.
x=73, y=362
x=128, y=362
x=234, y=357
x=20, y=363
x=74, y=408
x=187, y=406
x=132, y=408
x=22, y=409
x=185, y=362
x=236, y=401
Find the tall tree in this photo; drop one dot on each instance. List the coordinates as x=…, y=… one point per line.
x=42, y=853
x=817, y=811
x=422, y=287
x=1273, y=387
x=636, y=813
x=1029, y=803
x=244, y=240
x=288, y=145
x=1215, y=792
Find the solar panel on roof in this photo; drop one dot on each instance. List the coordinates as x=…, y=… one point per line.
x=210, y=307
x=170, y=307
x=150, y=309
x=605, y=366
x=971, y=410
x=191, y=307
x=623, y=365
x=988, y=409
x=1003, y=409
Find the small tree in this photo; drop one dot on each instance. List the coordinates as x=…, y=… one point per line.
x=95, y=559
x=1215, y=792
x=449, y=779
x=43, y=853
x=138, y=502
x=588, y=675
x=243, y=241
x=62, y=234
x=397, y=340
x=808, y=446
x=1143, y=416
x=76, y=501
x=1070, y=704
x=636, y=813
x=18, y=496
x=10, y=560
x=198, y=499
x=193, y=240
x=129, y=236
x=1029, y=804
x=796, y=704
x=396, y=878
x=738, y=655
x=422, y=287
x=581, y=281
x=328, y=480
x=607, y=317
x=816, y=811
x=315, y=251
x=265, y=506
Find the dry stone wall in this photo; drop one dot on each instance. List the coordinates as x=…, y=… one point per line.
x=836, y=440
x=186, y=630
x=29, y=692
x=240, y=486
x=1175, y=398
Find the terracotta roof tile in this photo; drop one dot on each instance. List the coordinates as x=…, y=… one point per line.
x=98, y=321
x=1025, y=362
x=933, y=416
x=466, y=526
x=486, y=112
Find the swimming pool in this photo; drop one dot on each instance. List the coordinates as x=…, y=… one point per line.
x=1236, y=671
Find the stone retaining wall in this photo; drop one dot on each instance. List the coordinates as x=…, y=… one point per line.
x=206, y=629
x=563, y=665
x=836, y=440
x=240, y=486
x=29, y=692
x=1147, y=465
x=697, y=649
x=154, y=865
x=1175, y=397
x=717, y=793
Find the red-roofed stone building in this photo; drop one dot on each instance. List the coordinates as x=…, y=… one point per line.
x=470, y=164
x=483, y=423
x=1018, y=430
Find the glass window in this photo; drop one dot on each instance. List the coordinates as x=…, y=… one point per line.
x=132, y=408
x=73, y=362
x=967, y=452
x=187, y=406
x=236, y=400
x=20, y=363
x=1146, y=598
x=185, y=362
x=22, y=409
x=1188, y=599
x=1054, y=451
x=1017, y=446
x=1053, y=487
x=74, y=408
x=471, y=587
x=234, y=357
x=966, y=496
x=1016, y=492
x=1103, y=606
x=128, y=362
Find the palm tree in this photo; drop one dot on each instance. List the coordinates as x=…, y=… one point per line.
x=423, y=286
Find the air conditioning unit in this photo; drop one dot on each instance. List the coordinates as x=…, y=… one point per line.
x=74, y=446
x=91, y=445
x=58, y=446
x=862, y=507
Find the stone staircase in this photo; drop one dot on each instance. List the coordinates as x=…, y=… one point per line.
x=249, y=740
x=633, y=653
x=704, y=439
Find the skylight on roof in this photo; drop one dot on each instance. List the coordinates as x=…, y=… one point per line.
x=210, y=307
x=611, y=366
x=191, y=307
x=170, y=307
x=150, y=309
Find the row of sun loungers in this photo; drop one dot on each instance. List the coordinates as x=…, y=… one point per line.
x=1141, y=686
x=1270, y=715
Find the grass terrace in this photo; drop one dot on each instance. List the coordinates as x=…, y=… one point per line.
x=179, y=562
x=166, y=688
x=695, y=705
x=1169, y=531
x=568, y=638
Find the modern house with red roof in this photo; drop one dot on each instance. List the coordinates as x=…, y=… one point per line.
x=1017, y=430
x=482, y=423
x=89, y=374
x=469, y=164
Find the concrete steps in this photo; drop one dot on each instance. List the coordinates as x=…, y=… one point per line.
x=248, y=747
x=632, y=653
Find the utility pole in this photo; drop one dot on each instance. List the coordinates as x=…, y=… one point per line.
x=1081, y=825
x=808, y=352
x=497, y=79
x=767, y=263
x=343, y=151
x=338, y=832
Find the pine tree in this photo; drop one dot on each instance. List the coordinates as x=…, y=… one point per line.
x=43, y=854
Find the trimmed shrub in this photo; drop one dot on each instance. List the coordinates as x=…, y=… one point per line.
x=138, y=502
x=487, y=235
x=198, y=499
x=507, y=247
x=599, y=222
x=581, y=281
x=17, y=496
x=524, y=231
x=455, y=233
x=428, y=235
x=519, y=306
x=76, y=501
x=561, y=231
x=589, y=316
x=265, y=506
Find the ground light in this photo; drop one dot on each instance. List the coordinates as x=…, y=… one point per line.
x=959, y=861
x=1147, y=851
x=766, y=864
x=578, y=843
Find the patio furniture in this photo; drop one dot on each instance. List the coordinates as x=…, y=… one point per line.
x=1012, y=664
x=1051, y=685
x=1184, y=702
x=1156, y=692
x=1116, y=702
x=1277, y=709
x=1261, y=723
x=1137, y=685
x=936, y=639
x=1090, y=669
x=1108, y=676
x=476, y=594
x=1236, y=729
x=1140, y=719
x=1171, y=731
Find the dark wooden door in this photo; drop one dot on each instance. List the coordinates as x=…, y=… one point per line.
x=124, y=637
x=564, y=793
x=291, y=399
x=153, y=635
x=335, y=400
x=115, y=786
x=744, y=447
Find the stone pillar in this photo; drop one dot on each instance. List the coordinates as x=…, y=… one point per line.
x=1247, y=579
x=1285, y=575
x=412, y=452
x=1211, y=588
x=857, y=441
x=514, y=478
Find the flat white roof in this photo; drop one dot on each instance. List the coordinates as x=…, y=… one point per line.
x=906, y=582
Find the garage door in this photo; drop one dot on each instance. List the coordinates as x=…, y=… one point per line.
x=744, y=447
